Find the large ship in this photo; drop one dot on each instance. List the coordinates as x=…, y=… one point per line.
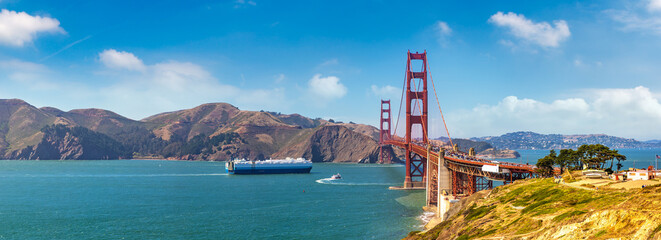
x=288, y=165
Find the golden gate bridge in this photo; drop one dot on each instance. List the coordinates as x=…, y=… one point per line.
x=442, y=170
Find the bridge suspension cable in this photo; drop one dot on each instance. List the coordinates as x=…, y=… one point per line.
x=401, y=100
x=438, y=103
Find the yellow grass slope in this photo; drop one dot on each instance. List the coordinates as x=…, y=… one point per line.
x=542, y=209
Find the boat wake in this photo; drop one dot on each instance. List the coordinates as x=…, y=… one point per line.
x=331, y=181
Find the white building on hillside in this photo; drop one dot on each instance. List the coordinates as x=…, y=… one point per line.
x=639, y=175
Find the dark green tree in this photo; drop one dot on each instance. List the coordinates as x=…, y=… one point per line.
x=545, y=164
x=597, y=155
x=566, y=158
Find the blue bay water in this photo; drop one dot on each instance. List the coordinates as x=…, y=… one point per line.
x=132, y=199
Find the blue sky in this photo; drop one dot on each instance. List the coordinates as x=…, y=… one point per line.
x=568, y=67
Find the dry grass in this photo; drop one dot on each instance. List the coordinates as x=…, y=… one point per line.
x=555, y=211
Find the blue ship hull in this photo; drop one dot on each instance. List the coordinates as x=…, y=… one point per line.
x=270, y=170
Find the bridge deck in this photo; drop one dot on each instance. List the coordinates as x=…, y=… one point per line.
x=459, y=157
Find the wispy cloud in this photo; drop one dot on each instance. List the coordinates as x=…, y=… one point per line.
x=31, y=75
x=329, y=62
x=444, y=31
x=241, y=3
x=279, y=78
x=644, y=17
x=65, y=48
x=654, y=5
x=386, y=92
x=539, y=33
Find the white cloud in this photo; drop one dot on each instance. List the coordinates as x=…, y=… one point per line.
x=121, y=60
x=239, y=3
x=444, y=31
x=387, y=91
x=443, y=28
x=654, y=5
x=326, y=87
x=19, y=28
x=329, y=62
x=170, y=85
x=634, y=112
x=541, y=33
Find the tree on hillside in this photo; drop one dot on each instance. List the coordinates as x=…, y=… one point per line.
x=567, y=158
x=597, y=155
x=590, y=156
x=545, y=164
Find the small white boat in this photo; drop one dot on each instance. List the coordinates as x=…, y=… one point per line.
x=336, y=176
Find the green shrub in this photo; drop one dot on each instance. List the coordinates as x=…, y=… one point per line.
x=568, y=215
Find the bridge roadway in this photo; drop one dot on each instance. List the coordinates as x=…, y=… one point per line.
x=462, y=162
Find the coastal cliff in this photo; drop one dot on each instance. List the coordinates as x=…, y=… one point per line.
x=542, y=209
x=334, y=143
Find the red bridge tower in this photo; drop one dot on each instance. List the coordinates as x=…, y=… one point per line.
x=385, y=133
x=416, y=115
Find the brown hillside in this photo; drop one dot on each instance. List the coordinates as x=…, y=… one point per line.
x=214, y=131
x=334, y=143
x=186, y=124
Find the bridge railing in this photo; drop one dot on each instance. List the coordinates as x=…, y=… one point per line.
x=421, y=148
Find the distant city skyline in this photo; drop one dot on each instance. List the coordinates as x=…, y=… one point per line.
x=565, y=67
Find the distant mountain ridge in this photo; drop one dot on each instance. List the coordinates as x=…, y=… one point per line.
x=531, y=140
x=483, y=149
x=213, y=131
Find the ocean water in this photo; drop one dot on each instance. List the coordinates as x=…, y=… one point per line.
x=134, y=199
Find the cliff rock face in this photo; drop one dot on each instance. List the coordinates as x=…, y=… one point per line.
x=61, y=142
x=335, y=143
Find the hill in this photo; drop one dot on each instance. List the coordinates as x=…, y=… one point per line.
x=483, y=149
x=531, y=140
x=213, y=131
x=542, y=209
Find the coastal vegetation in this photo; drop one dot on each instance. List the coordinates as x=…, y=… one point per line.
x=591, y=156
x=543, y=209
